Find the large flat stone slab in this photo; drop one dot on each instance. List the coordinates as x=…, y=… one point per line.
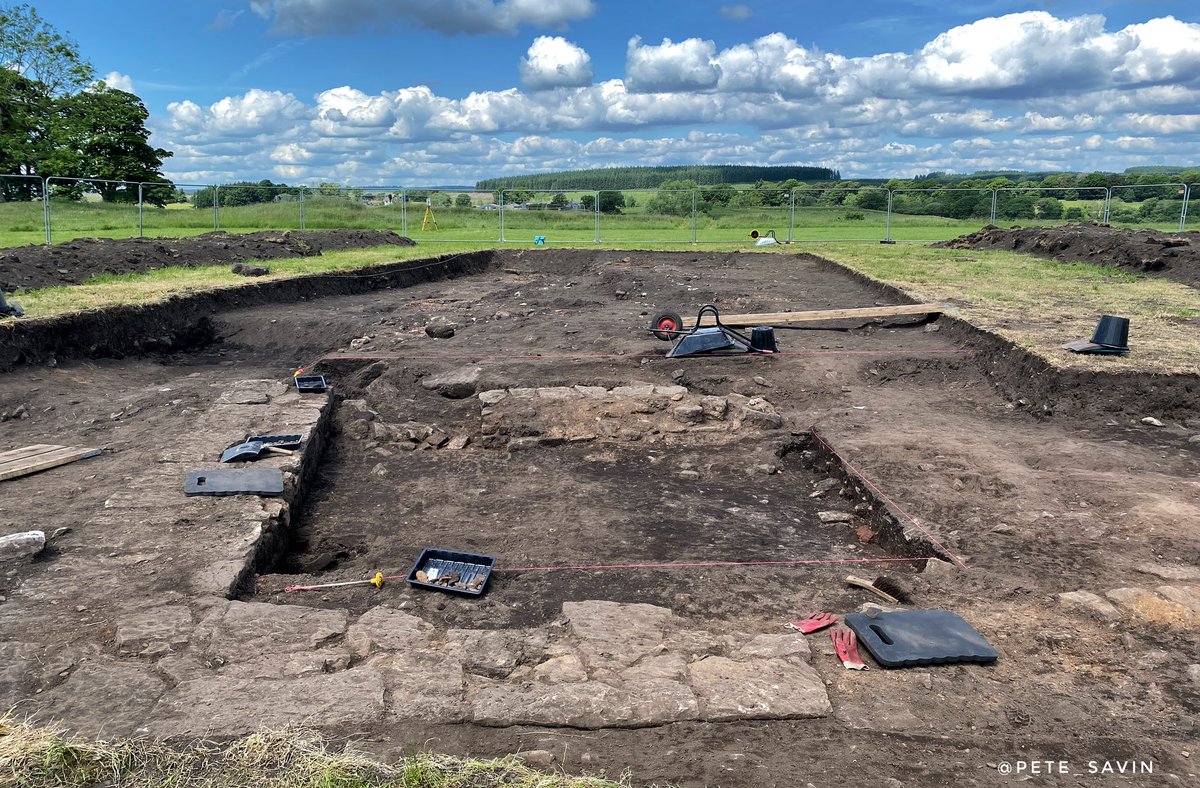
x=103, y=699
x=588, y=705
x=615, y=635
x=424, y=685
x=757, y=689
x=154, y=631
x=385, y=629
x=245, y=631
x=227, y=707
x=1183, y=595
x=1150, y=607
x=1089, y=602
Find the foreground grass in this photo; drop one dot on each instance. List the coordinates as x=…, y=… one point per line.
x=34, y=757
x=1037, y=303
x=1041, y=304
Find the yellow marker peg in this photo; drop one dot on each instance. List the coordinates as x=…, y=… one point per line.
x=377, y=580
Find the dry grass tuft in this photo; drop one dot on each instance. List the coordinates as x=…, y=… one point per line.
x=40, y=757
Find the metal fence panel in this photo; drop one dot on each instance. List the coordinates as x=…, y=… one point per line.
x=251, y=207
x=1048, y=207
x=177, y=209
x=1158, y=206
x=22, y=210
x=439, y=214
x=91, y=207
x=938, y=214
x=731, y=215
x=557, y=216
x=839, y=214
x=649, y=216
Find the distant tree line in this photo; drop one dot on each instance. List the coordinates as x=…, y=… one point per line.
x=56, y=121
x=244, y=193
x=655, y=177
x=1038, y=195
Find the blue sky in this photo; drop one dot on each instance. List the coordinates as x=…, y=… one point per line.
x=416, y=92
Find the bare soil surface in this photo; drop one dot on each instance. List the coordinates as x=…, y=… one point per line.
x=76, y=261
x=1174, y=256
x=550, y=475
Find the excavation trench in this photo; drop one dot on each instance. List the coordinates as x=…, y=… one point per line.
x=728, y=505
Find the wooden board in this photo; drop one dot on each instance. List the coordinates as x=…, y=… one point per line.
x=782, y=318
x=39, y=457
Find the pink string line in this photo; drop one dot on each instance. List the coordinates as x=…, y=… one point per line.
x=603, y=567
x=707, y=563
x=812, y=428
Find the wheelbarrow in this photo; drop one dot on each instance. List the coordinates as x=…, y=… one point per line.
x=714, y=338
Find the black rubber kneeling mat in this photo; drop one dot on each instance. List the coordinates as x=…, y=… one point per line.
x=242, y=481
x=907, y=638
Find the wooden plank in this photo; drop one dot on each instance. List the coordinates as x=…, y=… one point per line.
x=27, y=451
x=780, y=318
x=41, y=462
x=37, y=459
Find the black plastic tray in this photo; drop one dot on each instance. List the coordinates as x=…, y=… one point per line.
x=310, y=384
x=469, y=565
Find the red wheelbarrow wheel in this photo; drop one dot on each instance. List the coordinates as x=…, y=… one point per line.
x=666, y=324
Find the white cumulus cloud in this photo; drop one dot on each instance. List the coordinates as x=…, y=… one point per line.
x=670, y=67
x=774, y=64
x=119, y=81
x=554, y=62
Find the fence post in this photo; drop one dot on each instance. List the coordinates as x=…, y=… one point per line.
x=46, y=208
x=1187, y=191
x=694, y=236
x=217, y=207
x=597, y=218
x=992, y=218
x=141, y=222
x=1107, y=209
x=887, y=238
x=500, y=210
x=404, y=213
x=302, y=208
x=791, y=215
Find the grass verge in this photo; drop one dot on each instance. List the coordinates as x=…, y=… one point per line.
x=37, y=757
x=112, y=290
x=1042, y=304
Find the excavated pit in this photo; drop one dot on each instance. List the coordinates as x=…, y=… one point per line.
x=602, y=473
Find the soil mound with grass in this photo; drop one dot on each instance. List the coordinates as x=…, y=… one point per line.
x=76, y=261
x=1173, y=256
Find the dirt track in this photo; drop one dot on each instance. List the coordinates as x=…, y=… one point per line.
x=1037, y=507
x=1173, y=256
x=76, y=261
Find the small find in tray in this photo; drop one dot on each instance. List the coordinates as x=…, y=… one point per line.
x=310, y=384
x=453, y=571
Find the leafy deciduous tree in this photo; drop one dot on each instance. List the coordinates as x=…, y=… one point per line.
x=35, y=50
x=101, y=133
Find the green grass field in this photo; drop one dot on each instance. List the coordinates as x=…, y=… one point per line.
x=23, y=223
